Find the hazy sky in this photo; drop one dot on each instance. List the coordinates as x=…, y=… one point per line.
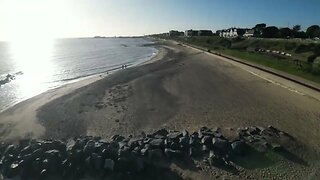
x=81, y=18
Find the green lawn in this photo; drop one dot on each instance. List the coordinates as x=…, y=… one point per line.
x=272, y=63
x=224, y=46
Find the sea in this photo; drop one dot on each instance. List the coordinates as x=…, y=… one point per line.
x=30, y=68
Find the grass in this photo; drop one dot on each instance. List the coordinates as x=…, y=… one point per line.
x=239, y=48
x=273, y=63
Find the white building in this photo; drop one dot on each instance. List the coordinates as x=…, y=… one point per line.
x=249, y=33
x=231, y=32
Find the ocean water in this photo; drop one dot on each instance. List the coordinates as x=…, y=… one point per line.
x=31, y=68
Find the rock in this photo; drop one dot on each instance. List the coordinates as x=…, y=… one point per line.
x=97, y=161
x=134, y=142
x=53, y=160
x=277, y=147
x=175, y=146
x=273, y=129
x=89, y=147
x=174, y=136
x=184, y=141
x=44, y=174
x=193, y=141
x=26, y=150
x=79, y=172
x=156, y=143
x=261, y=146
x=108, y=164
x=221, y=144
x=155, y=154
x=170, y=153
x=137, y=164
x=205, y=148
x=215, y=160
x=206, y=140
x=13, y=170
x=144, y=151
x=185, y=133
x=239, y=147
x=122, y=165
x=253, y=131
x=117, y=138
x=124, y=152
x=161, y=132
x=10, y=150
x=195, y=151
x=23, y=143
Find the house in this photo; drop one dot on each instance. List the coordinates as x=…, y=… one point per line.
x=232, y=32
x=173, y=33
x=191, y=32
x=250, y=33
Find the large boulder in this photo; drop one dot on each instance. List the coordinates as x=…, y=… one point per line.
x=221, y=144
x=156, y=143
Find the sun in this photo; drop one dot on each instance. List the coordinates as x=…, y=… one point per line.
x=31, y=29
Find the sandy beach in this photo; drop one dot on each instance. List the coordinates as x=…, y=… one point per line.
x=180, y=88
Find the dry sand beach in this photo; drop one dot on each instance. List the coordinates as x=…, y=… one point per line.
x=182, y=88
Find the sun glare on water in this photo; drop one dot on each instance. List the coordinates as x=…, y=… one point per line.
x=31, y=32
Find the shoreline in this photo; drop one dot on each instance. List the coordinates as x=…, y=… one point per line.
x=23, y=115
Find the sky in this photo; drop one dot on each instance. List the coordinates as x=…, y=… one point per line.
x=86, y=18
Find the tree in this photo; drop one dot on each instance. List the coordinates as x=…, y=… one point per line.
x=296, y=28
x=313, y=31
x=285, y=32
x=260, y=26
x=270, y=32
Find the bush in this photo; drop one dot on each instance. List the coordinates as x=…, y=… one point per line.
x=304, y=48
x=312, y=58
x=225, y=43
x=290, y=46
x=317, y=50
x=316, y=67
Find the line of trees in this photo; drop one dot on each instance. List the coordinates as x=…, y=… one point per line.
x=294, y=32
